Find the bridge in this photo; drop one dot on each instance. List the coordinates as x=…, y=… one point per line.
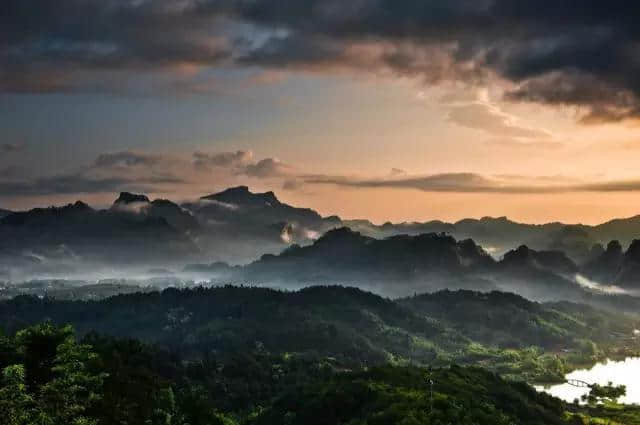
x=578, y=383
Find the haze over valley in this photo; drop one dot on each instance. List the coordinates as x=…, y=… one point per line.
x=237, y=236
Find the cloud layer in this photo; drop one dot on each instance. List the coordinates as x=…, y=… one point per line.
x=476, y=183
x=162, y=173
x=556, y=52
x=144, y=172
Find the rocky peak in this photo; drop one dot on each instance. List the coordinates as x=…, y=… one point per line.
x=130, y=198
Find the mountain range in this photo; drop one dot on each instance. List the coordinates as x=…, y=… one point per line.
x=283, y=244
x=401, y=265
x=499, y=235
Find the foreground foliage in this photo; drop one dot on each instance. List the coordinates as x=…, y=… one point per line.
x=48, y=378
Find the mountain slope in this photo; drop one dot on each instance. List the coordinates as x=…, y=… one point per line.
x=402, y=265
x=239, y=226
x=413, y=396
x=510, y=321
x=176, y=216
x=397, y=264
x=615, y=267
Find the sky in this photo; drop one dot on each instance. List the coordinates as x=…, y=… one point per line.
x=380, y=109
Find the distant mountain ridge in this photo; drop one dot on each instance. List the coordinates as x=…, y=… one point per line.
x=499, y=235
x=403, y=264
x=234, y=225
x=239, y=226
x=343, y=255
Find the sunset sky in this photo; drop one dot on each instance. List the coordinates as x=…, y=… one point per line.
x=380, y=109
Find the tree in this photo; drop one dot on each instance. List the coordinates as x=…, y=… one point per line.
x=601, y=393
x=74, y=386
x=17, y=406
x=54, y=382
x=165, y=412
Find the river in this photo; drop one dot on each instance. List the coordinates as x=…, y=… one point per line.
x=625, y=372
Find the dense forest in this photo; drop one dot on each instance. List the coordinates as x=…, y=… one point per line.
x=499, y=331
x=321, y=355
x=50, y=377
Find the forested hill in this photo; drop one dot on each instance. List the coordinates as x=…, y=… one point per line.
x=348, y=325
x=318, y=356
x=507, y=320
x=403, y=396
x=49, y=378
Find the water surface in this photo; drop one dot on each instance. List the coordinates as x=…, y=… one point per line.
x=625, y=372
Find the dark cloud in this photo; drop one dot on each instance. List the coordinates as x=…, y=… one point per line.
x=476, y=183
x=242, y=163
x=555, y=51
x=12, y=171
x=141, y=172
x=109, y=172
x=446, y=182
x=604, y=102
x=10, y=147
x=237, y=159
x=126, y=159
x=80, y=183
x=64, y=184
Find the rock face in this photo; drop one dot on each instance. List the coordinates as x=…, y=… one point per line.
x=126, y=198
x=553, y=261
x=175, y=215
x=606, y=267
x=616, y=267
x=629, y=273
x=241, y=196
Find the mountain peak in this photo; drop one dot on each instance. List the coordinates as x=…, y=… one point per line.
x=633, y=252
x=237, y=190
x=241, y=195
x=614, y=247
x=78, y=205
x=341, y=234
x=521, y=254
x=130, y=198
x=503, y=219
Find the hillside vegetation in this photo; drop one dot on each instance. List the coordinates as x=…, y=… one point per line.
x=352, y=328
